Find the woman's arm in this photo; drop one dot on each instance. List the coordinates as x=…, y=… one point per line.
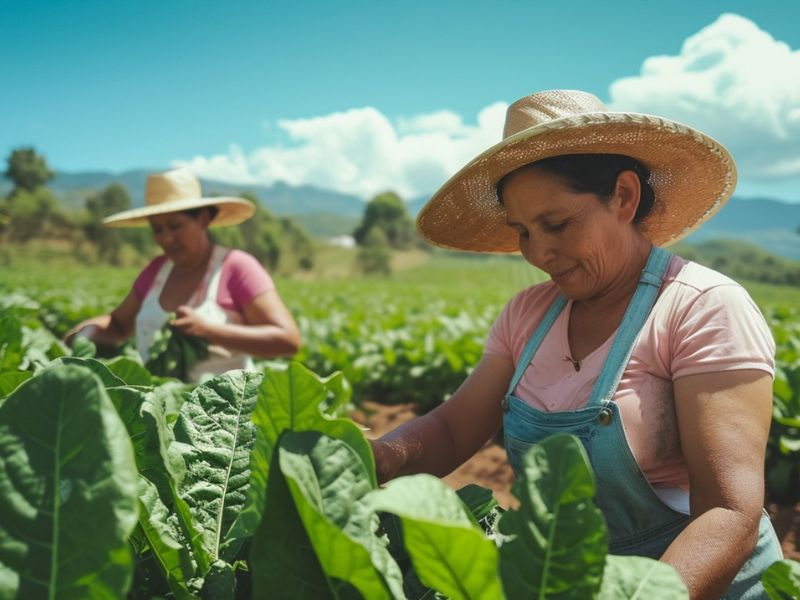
x=268, y=329
x=112, y=328
x=723, y=420
x=441, y=440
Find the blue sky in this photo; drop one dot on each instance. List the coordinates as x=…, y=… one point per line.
x=360, y=96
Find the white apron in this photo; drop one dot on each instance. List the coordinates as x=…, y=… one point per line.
x=152, y=317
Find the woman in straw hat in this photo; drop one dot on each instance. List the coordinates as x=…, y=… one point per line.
x=662, y=368
x=222, y=295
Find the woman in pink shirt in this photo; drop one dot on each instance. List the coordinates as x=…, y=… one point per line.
x=222, y=295
x=662, y=368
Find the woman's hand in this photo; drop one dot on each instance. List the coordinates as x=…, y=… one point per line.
x=87, y=329
x=188, y=322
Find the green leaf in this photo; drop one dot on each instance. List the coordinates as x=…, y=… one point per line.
x=558, y=537
x=339, y=392
x=449, y=551
x=219, y=583
x=214, y=435
x=174, y=354
x=480, y=501
x=781, y=580
x=165, y=543
x=83, y=347
x=629, y=577
x=67, y=490
x=328, y=483
x=102, y=372
x=129, y=371
x=289, y=399
x=10, y=342
x=10, y=380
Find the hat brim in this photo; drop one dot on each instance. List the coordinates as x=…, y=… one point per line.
x=231, y=211
x=691, y=174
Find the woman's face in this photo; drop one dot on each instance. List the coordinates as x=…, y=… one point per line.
x=577, y=238
x=183, y=238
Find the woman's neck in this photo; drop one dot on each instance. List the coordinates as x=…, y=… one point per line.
x=197, y=263
x=617, y=294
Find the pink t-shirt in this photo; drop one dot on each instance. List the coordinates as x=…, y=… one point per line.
x=242, y=280
x=702, y=322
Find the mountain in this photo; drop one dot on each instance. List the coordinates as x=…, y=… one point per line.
x=769, y=224
x=764, y=222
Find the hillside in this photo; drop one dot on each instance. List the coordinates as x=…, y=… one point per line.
x=763, y=222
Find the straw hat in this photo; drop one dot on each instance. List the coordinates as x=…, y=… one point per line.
x=178, y=190
x=691, y=174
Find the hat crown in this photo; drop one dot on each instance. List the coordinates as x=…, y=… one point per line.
x=177, y=184
x=543, y=107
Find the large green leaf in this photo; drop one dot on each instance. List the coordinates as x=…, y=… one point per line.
x=101, y=371
x=781, y=580
x=329, y=483
x=214, y=435
x=449, y=551
x=291, y=399
x=67, y=490
x=282, y=561
x=640, y=578
x=10, y=380
x=558, y=537
x=166, y=543
x=130, y=371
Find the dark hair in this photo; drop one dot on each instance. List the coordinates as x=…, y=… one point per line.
x=195, y=212
x=594, y=174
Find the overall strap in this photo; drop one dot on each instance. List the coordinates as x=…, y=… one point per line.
x=536, y=339
x=204, y=290
x=635, y=315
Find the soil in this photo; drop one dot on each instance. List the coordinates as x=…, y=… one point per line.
x=489, y=468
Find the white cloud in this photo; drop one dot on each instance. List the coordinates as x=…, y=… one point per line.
x=362, y=152
x=731, y=80
x=735, y=82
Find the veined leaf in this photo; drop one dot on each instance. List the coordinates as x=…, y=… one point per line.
x=166, y=543
x=66, y=469
x=290, y=399
x=214, y=435
x=558, y=537
x=640, y=578
x=130, y=371
x=328, y=483
x=449, y=551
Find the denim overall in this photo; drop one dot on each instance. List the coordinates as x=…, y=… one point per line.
x=639, y=523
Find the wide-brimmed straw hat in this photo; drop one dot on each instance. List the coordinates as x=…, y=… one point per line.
x=177, y=190
x=691, y=174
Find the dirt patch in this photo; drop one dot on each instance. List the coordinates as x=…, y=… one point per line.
x=489, y=468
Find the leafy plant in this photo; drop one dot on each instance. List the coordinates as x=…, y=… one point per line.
x=173, y=353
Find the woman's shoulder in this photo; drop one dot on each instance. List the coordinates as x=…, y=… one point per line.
x=693, y=289
x=697, y=277
x=240, y=260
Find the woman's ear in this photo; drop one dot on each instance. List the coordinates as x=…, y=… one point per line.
x=204, y=217
x=627, y=195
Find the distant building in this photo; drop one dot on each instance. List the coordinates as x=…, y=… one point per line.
x=343, y=241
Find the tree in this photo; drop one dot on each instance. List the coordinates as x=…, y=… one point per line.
x=29, y=213
x=387, y=212
x=109, y=241
x=275, y=242
x=28, y=170
x=375, y=256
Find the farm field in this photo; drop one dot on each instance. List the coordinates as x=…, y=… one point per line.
x=402, y=343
